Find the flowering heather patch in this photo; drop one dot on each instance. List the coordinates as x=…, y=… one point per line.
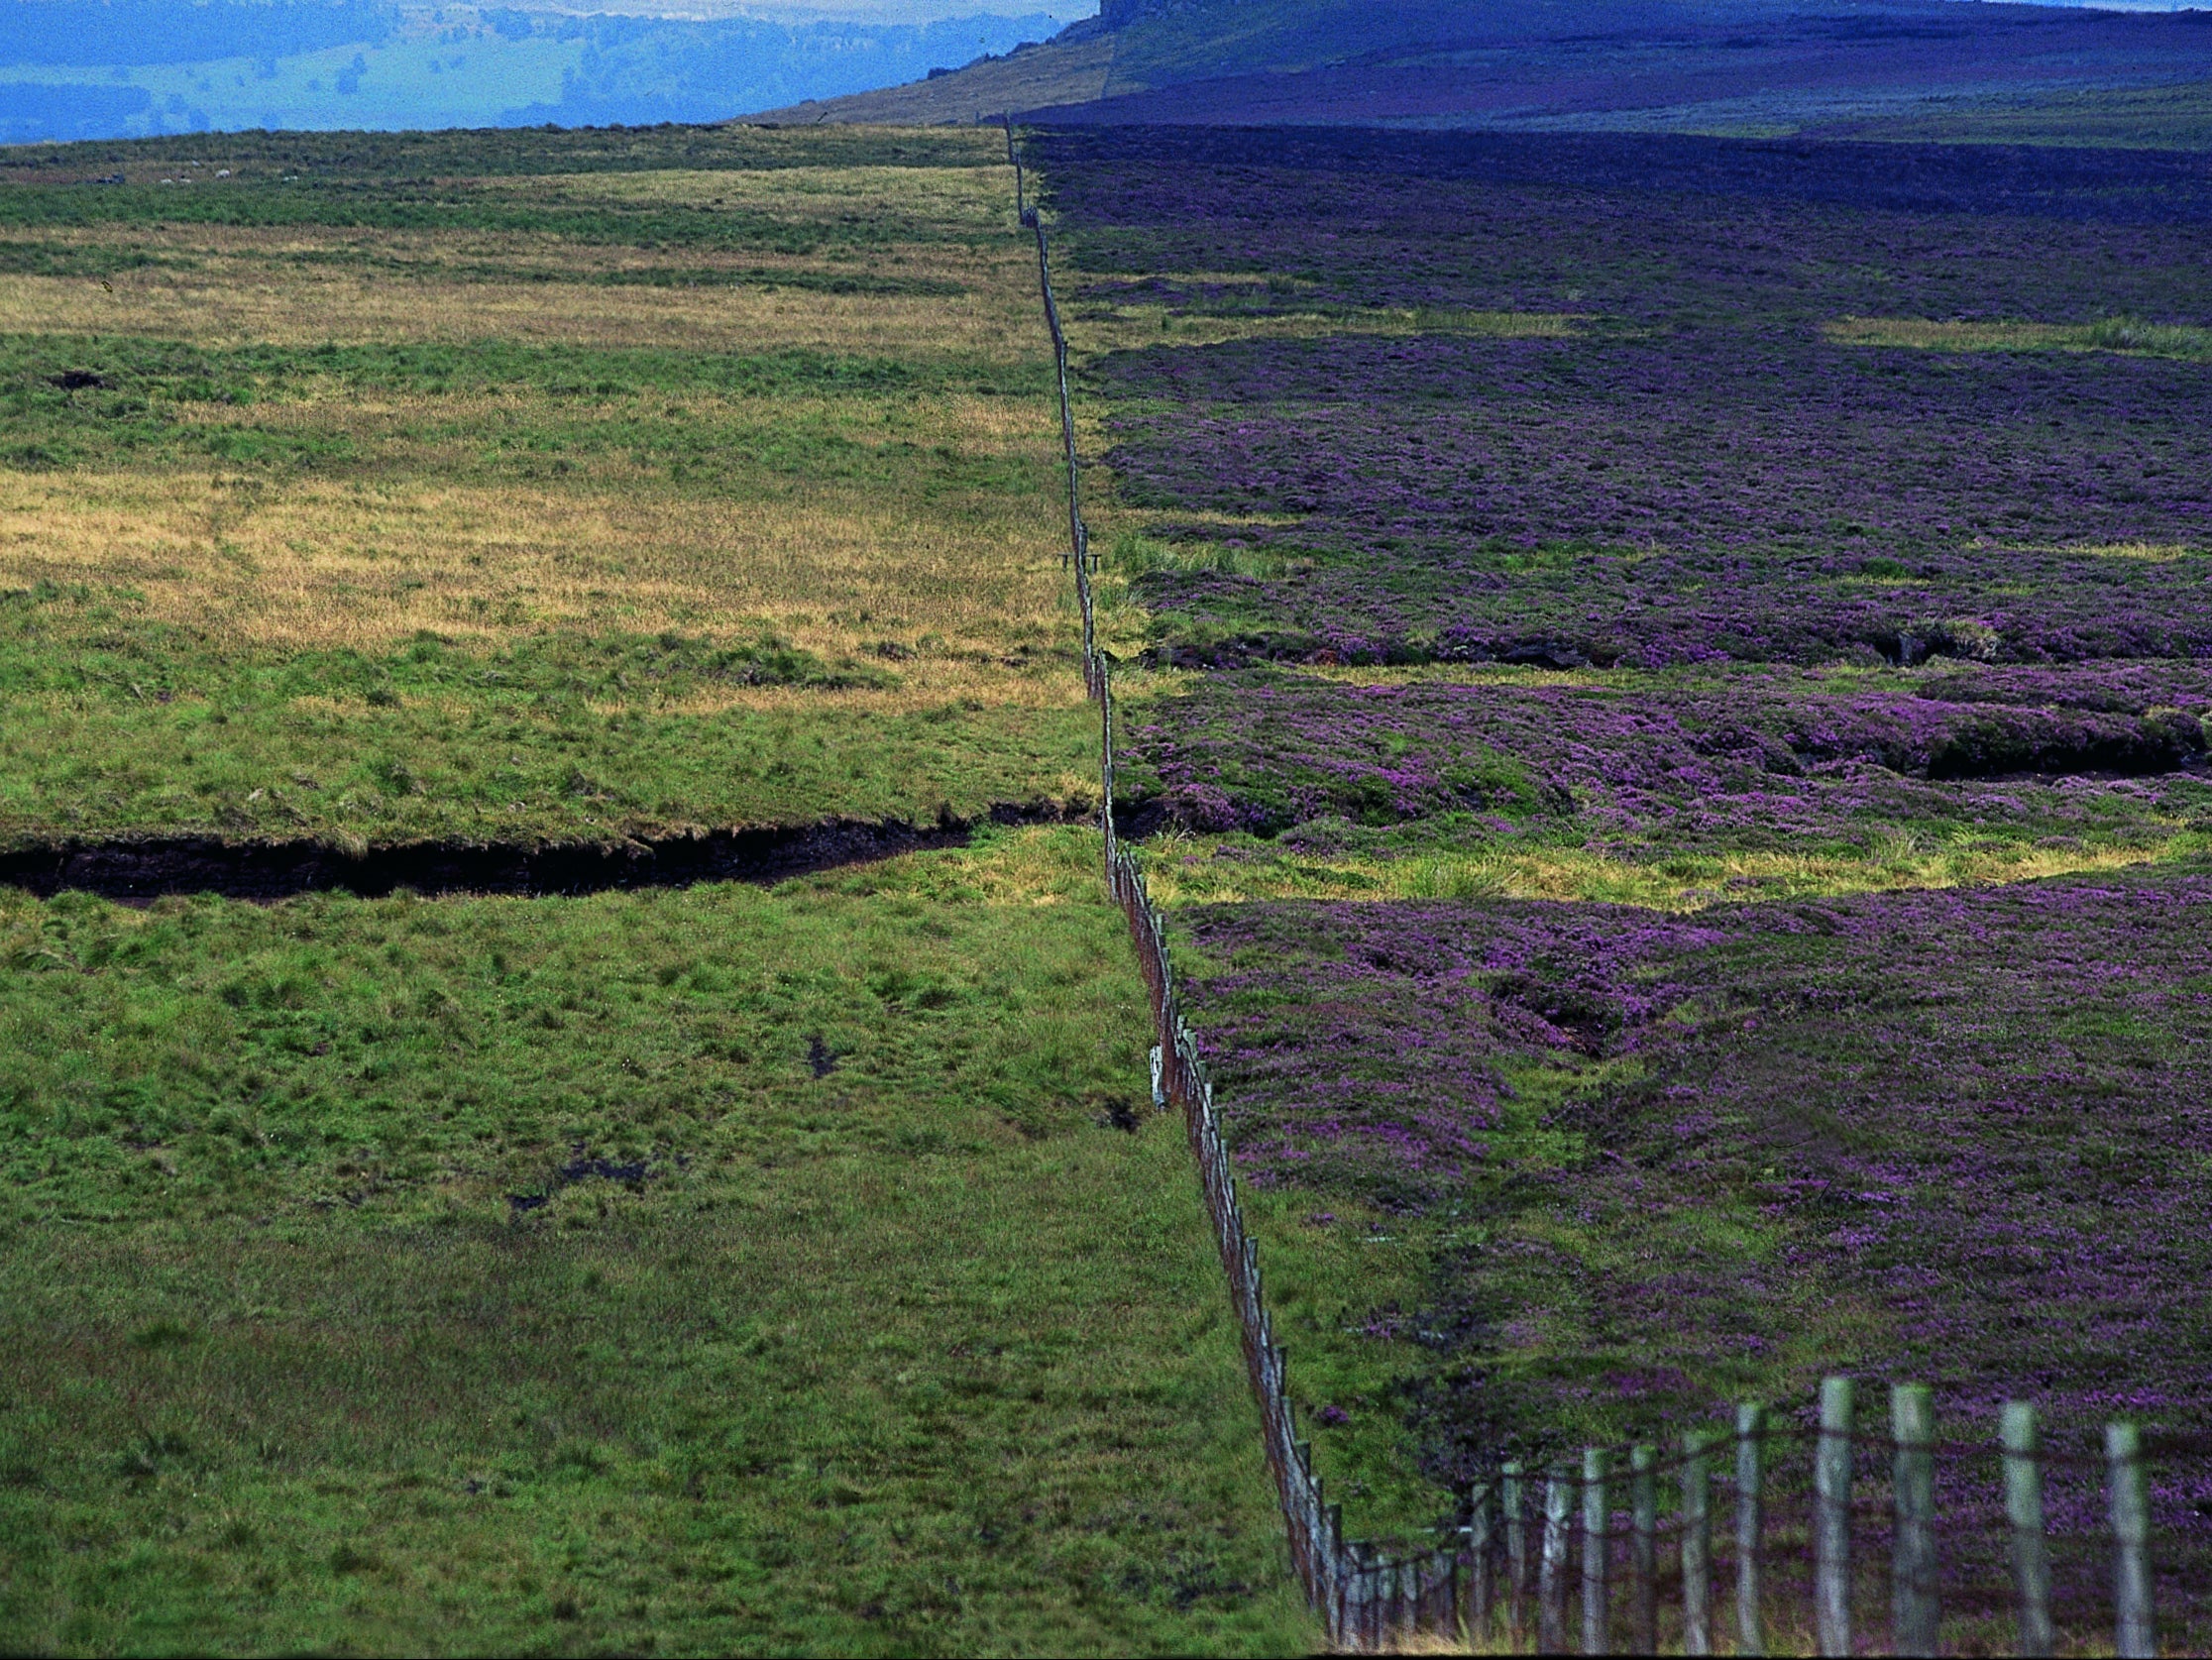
x=1640, y=227
x=1958, y=1135
x=1817, y=595
x=1716, y=493
x=1749, y=757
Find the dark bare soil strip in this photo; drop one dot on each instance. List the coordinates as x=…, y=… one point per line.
x=144, y=870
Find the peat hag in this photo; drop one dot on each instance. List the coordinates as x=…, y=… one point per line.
x=268, y=870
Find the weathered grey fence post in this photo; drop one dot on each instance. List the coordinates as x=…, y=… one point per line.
x=1831, y=1519
x=1597, y=1562
x=1750, y=1529
x=2023, y=1508
x=2135, y=1632
x=1643, y=1548
x=1106, y=757
x=1551, y=1569
x=1367, y=1578
x=1479, y=1563
x=1513, y=1498
x=1340, y=1572
x=1914, y=1613
x=1696, y=1545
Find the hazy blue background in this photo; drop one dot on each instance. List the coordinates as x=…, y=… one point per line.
x=109, y=68
x=106, y=68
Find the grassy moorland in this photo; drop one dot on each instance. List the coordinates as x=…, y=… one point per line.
x=792, y=1271
x=2176, y=117
x=1685, y=826
x=704, y=1271
x=550, y=487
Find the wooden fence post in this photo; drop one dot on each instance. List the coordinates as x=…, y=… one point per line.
x=1751, y=1425
x=1362, y=1602
x=1696, y=1545
x=1479, y=1564
x=2023, y=1508
x=1831, y=1519
x=1106, y=758
x=1643, y=1548
x=1914, y=1610
x=1597, y=1562
x=2135, y=1632
x=1551, y=1569
x=1513, y=1501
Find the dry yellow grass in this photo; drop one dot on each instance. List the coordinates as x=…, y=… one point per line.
x=2157, y=553
x=310, y=305
x=1123, y=328
x=2111, y=335
x=306, y=562
x=311, y=285
x=975, y=200
x=964, y=582
x=1180, y=870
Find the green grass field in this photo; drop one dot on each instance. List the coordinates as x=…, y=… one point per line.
x=706, y=1270
x=525, y=487
x=684, y=1273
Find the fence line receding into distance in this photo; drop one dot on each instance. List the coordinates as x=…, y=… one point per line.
x=1481, y=1581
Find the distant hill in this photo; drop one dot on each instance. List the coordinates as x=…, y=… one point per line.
x=1758, y=66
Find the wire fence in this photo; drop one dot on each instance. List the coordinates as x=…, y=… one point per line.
x=1361, y=1594
x=1813, y=1554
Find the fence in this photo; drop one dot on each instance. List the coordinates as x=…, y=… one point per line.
x=1482, y=1581
x=1361, y=1594
x=1522, y=1533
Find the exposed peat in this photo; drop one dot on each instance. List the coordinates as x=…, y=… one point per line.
x=144, y=870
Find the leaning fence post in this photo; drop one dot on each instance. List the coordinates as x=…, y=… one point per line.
x=1513, y=1501
x=2134, y=1630
x=1551, y=1572
x=1696, y=1545
x=1751, y=1424
x=1831, y=1519
x=1597, y=1562
x=1643, y=1548
x=1913, y=1613
x=2023, y=1508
